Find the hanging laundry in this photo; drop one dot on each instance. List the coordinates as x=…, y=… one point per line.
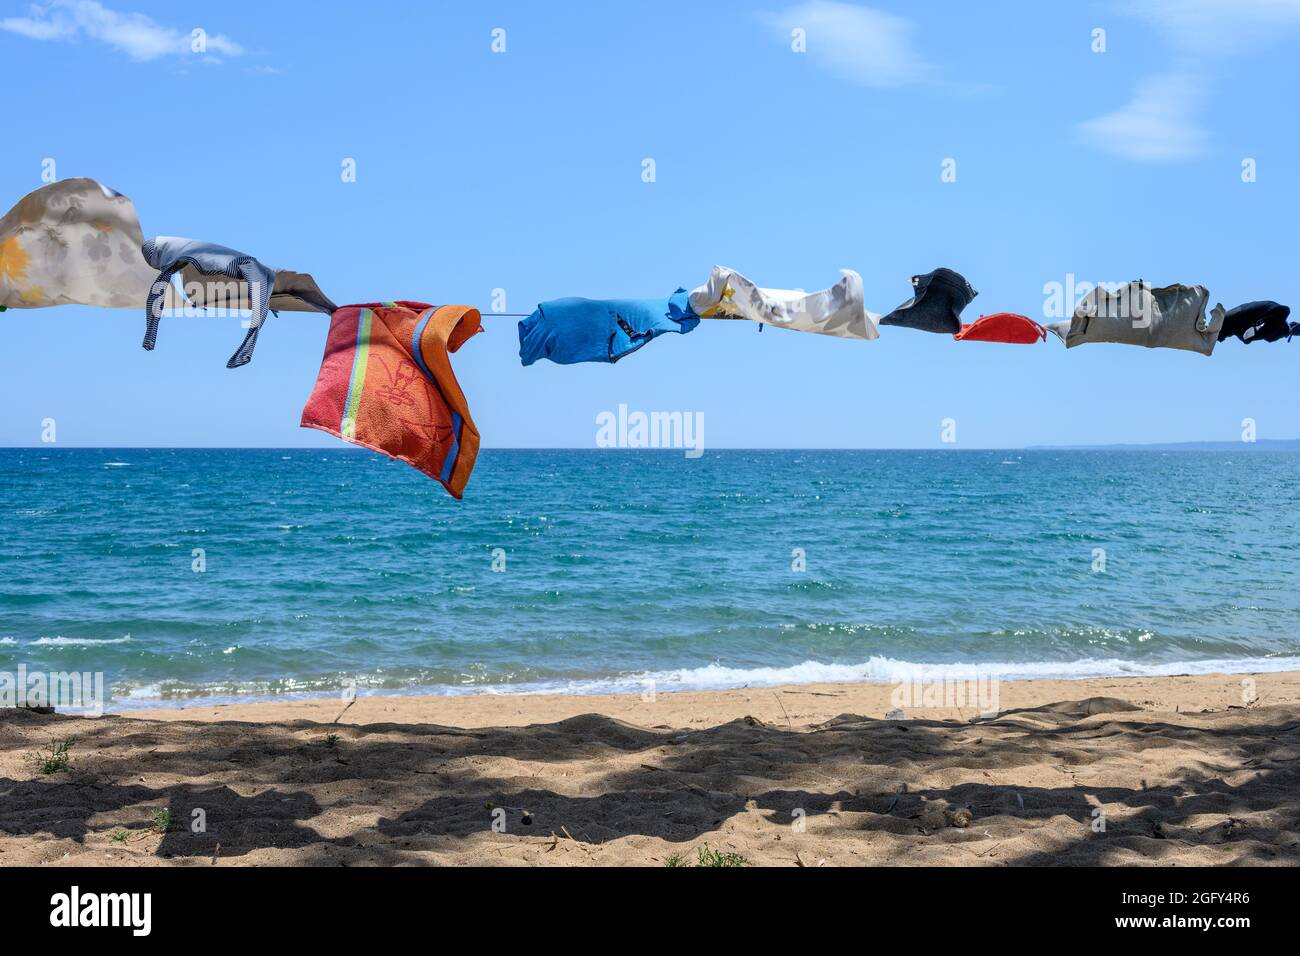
x=209, y=262
x=386, y=383
x=936, y=306
x=1258, y=322
x=293, y=292
x=1136, y=314
x=838, y=310
x=73, y=242
x=600, y=330
x=1002, y=327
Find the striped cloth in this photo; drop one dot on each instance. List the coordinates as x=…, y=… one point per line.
x=386, y=383
x=170, y=254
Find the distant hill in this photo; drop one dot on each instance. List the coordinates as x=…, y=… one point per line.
x=1263, y=444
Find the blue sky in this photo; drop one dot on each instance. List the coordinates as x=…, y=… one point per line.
x=522, y=171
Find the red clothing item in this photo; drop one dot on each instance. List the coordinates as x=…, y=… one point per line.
x=386, y=384
x=1003, y=327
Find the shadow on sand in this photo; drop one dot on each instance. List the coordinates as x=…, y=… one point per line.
x=870, y=790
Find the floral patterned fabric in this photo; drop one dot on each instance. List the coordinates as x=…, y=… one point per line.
x=73, y=242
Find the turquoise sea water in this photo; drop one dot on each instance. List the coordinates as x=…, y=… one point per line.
x=330, y=567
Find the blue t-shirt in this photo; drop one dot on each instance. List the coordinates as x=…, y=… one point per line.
x=600, y=330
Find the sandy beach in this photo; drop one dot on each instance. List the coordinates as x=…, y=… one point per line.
x=1133, y=771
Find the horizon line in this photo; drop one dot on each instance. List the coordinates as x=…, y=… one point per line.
x=1090, y=446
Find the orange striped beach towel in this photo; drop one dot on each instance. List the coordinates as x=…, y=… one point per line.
x=386, y=384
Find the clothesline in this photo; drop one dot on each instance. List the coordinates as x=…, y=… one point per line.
x=488, y=313
x=386, y=381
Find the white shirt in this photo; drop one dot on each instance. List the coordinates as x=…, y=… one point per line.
x=836, y=311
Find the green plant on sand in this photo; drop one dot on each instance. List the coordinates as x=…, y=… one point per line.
x=708, y=857
x=56, y=758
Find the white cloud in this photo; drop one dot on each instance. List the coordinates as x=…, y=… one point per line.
x=132, y=33
x=1160, y=123
x=1157, y=125
x=1209, y=27
x=39, y=29
x=867, y=46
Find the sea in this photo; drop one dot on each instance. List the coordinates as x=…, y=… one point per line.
x=195, y=576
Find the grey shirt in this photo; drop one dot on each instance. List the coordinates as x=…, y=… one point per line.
x=1170, y=317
